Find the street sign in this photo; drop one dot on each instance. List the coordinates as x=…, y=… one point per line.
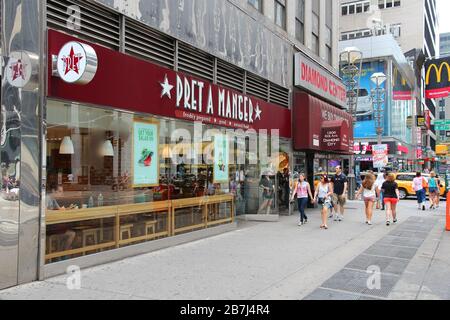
x=442, y=127
x=441, y=122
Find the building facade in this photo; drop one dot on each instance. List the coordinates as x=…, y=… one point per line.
x=129, y=126
x=382, y=54
x=417, y=37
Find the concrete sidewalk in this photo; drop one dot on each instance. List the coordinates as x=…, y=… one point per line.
x=258, y=261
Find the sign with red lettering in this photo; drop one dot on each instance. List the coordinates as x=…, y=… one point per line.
x=316, y=79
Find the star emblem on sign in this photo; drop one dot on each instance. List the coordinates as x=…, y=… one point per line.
x=258, y=112
x=166, y=88
x=72, y=62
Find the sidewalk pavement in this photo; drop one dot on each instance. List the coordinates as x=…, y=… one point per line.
x=261, y=261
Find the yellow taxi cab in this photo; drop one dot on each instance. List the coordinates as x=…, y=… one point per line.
x=405, y=179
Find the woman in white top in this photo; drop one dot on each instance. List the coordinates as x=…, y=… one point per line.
x=323, y=197
x=369, y=193
x=419, y=185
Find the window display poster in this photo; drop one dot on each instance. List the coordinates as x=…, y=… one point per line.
x=380, y=156
x=221, y=159
x=145, y=155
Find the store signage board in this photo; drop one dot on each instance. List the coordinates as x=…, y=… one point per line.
x=77, y=63
x=125, y=82
x=380, y=156
x=442, y=127
x=441, y=122
x=145, y=154
x=221, y=158
x=315, y=78
x=421, y=122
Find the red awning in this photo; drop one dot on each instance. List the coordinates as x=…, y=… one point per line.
x=320, y=126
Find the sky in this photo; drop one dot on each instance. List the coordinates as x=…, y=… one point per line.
x=443, y=10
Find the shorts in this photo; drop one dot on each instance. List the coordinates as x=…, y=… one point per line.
x=325, y=203
x=339, y=200
x=434, y=191
x=390, y=200
x=371, y=199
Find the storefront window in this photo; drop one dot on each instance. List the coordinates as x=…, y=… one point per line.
x=116, y=179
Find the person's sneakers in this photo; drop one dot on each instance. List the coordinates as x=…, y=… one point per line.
x=336, y=217
x=369, y=223
x=300, y=224
x=340, y=218
x=388, y=223
x=395, y=221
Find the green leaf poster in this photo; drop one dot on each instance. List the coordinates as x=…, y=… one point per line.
x=145, y=154
x=221, y=159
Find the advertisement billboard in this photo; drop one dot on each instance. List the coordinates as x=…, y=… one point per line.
x=365, y=126
x=380, y=156
x=145, y=154
x=437, y=78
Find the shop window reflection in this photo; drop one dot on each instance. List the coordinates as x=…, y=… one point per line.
x=93, y=200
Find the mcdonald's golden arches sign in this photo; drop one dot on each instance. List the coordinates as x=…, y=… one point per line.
x=437, y=78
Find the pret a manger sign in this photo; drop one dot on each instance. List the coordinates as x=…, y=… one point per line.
x=77, y=63
x=125, y=82
x=203, y=101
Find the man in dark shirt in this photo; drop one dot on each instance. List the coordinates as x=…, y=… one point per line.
x=340, y=185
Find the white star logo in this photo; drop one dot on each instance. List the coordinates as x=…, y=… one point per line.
x=166, y=88
x=258, y=112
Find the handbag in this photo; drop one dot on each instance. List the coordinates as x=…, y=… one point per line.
x=424, y=183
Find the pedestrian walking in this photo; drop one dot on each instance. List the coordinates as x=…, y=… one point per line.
x=433, y=185
x=419, y=186
x=302, y=190
x=391, y=198
x=369, y=195
x=378, y=184
x=322, y=196
x=340, y=185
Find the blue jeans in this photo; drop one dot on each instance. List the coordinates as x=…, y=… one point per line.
x=302, y=203
x=421, y=196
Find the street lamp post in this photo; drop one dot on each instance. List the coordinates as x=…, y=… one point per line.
x=350, y=60
x=378, y=98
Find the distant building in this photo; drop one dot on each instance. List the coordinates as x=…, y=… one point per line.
x=445, y=44
x=414, y=25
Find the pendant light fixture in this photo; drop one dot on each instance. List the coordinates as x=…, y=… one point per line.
x=107, y=149
x=66, y=146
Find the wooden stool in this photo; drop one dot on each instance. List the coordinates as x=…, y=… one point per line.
x=126, y=229
x=150, y=225
x=53, y=244
x=90, y=233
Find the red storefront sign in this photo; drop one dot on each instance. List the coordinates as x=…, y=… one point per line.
x=321, y=126
x=314, y=78
x=128, y=83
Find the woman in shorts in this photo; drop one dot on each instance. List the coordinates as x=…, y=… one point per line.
x=391, y=198
x=369, y=194
x=322, y=196
x=433, y=185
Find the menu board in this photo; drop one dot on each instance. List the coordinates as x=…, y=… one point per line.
x=221, y=159
x=145, y=154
